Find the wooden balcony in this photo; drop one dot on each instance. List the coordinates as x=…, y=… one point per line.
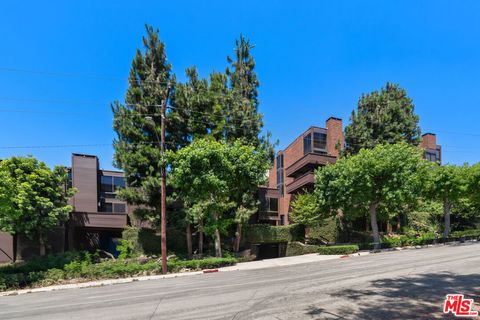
x=99, y=220
x=268, y=215
x=305, y=181
x=308, y=163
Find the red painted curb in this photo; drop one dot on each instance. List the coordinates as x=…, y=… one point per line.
x=344, y=257
x=210, y=270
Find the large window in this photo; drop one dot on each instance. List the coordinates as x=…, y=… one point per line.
x=111, y=184
x=433, y=156
x=319, y=142
x=307, y=143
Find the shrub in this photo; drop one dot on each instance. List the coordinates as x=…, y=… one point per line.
x=344, y=249
x=126, y=248
x=326, y=232
x=264, y=233
x=297, y=248
x=88, y=267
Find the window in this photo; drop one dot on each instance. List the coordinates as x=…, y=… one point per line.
x=280, y=173
x=106, y=183
x=119, y=207
x=106, y=207
x=273, y=204
x=319, y=142
x=111, y=184
x=432, y=156
x=307, y=143
x=118, y=183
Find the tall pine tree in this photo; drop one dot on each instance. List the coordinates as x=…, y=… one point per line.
x=384, y=117
x=137, y=124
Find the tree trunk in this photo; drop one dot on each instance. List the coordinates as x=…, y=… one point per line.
x=189, y=239
x=200, y=236
x=389, y=227
x=42, y=244
x=446, y=212
x=238, y=236
x=15, y=240
x=218, y=247
x=373, y=220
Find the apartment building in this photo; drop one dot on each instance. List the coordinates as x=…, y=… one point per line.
x=293, y=169
x=433, y=151
x=97, y=219
x=98, y=215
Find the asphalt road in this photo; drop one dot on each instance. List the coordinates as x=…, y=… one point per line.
x=409, y=284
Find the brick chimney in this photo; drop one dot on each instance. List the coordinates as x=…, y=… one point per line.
x=429, y=141
x=334, y=136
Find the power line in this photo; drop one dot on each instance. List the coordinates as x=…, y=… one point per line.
x=78, y=75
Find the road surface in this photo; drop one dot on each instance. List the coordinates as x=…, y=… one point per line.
x=409, y=284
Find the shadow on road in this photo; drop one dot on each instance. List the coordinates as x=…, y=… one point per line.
x=415, y=297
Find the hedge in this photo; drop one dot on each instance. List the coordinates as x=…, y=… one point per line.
x=327, y=232
x=87, y=267
x=264, y=233
x=424, y=239
x=343, y=249
x=297, y=248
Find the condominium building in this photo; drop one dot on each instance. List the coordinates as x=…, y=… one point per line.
x=293, y=169
x=96, y=221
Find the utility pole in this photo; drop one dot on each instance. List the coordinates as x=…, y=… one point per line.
x=163, y=172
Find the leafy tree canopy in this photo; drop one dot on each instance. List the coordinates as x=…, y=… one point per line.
x=382, y=178
x=33, y=198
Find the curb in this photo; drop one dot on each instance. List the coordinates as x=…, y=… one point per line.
x=98, y=283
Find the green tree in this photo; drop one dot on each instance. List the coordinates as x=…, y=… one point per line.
x=137, y=124
x=33, y=198
x=306, y=210
x=448, y=184
x=382, y=117
x=375, y=180
x=208, y=175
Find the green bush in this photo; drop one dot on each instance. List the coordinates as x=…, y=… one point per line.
x=264, y=233
x=126, y=248
x=207, y=263
x=147, y=241
x=343, y=249
x=326, y=232
x=297, y=248
x=466, y=233
x=86, y=266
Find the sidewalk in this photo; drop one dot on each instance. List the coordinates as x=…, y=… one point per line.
x=277, y=262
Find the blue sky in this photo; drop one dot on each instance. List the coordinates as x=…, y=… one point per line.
x=314, y=59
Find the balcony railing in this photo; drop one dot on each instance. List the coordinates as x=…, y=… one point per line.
x=308, y=163
x=305, y=181
x=268, y=215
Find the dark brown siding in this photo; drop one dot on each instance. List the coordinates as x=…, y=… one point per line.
x=6, y=247
x=84, y=171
